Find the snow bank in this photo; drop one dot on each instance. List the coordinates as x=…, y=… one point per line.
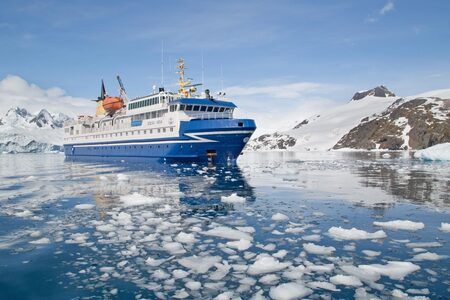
x=436, y=152
x=137, y=199
x=289, y=291
x=340, y=233
x=401, y=224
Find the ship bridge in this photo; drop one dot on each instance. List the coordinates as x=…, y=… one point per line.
x=203, y=108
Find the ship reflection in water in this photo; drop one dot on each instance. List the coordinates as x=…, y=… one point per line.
x=143, y=229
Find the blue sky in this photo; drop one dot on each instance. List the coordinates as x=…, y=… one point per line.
x=278, y=57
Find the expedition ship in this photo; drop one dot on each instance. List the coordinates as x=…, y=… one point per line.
x=182, y=126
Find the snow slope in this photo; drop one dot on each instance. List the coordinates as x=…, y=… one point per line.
x=21, y=131
x=324, y=131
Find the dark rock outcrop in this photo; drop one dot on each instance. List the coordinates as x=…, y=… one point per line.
x=379, y=91
x=304, y=122
x=413, y=124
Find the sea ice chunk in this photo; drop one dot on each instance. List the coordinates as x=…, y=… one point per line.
x=289, y=291
x=347, y=280
x=185, y=238
x=84, y=206
x=445, y=227
x=266, y=264
x=137, y=199
x=340, y=233
x=323, y=285
x=396, y=270
x=199, y=264
x=233, y=198
x=428, y=256
x=317, y=249
x=241, y=245
x=400, y=225
x=41, y=241
x=279, y=217
x=228, y=233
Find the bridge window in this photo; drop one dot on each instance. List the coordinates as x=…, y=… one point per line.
x=216, y=109
x=196, y=108
x=210, y=108
x=188, y=107
x=221, y=109
x=182, y=106
x=203, y=108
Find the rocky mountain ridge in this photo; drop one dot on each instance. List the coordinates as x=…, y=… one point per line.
x=21, y=131
x=378, y=120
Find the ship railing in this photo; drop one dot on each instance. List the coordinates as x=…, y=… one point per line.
x=209, y=116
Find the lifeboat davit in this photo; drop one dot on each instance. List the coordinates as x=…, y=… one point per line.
x=112, y=104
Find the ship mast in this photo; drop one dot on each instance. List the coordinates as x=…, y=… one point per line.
x=186, y=86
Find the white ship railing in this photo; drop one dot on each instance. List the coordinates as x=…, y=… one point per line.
x=208, y=116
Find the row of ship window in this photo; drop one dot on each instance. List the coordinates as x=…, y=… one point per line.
x=147, y=102
x=133, y=147
x=204, y=108
x=138, y=132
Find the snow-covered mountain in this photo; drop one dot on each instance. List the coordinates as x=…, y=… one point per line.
x=21, y=131
x=373, y=119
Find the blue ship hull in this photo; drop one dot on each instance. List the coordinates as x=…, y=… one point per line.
x=218, y=140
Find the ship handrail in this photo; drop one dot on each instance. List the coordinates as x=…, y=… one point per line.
x=212, y=115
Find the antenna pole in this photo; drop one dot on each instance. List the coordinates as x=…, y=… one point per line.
x=203, y=71
x=162, y=63
x=221, y=78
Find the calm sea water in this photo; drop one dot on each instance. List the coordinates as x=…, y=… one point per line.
x=266, y=227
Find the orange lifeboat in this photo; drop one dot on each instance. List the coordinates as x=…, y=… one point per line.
x=112, y=104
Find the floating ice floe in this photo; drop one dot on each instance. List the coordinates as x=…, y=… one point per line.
x=428, y=256
x=371, y=253
x=396, y=270
x=328, y=268
x=233, y=198
x=317, y=249
x=84, y=206
x=269, y=279
x=347, y=280
x=279, y=217
x=199, y=264
x=193, y=285
x=266, y=264
x=23, y=214
x=445, y=227
x=437, y=152
x=185, y=238
x=41, y=241
x=123, y=177
x=228, y=233
x=340, y=233
x=400, y=225
x=241, y=245
x=323, y=285
x=137, y=199
x=289, y=291
x=424, y=245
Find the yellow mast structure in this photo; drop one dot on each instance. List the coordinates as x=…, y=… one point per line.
x=185, y=84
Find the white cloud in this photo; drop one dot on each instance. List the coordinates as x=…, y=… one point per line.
x=15, y=91
x=279, y=107
x=389, y=6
